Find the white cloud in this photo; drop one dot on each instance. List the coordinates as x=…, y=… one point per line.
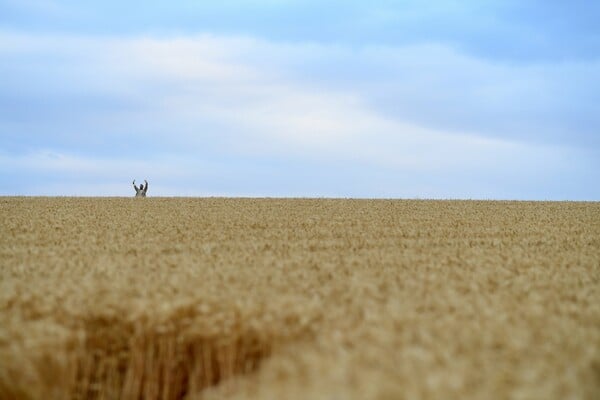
x=59, y=173
x=50, y=161
x=255, y=99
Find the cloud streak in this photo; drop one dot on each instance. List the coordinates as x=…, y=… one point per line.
x=223, y=112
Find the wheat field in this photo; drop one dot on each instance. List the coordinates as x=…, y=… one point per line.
x=222, y=298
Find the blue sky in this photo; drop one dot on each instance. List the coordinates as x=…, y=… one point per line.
x=403, y=99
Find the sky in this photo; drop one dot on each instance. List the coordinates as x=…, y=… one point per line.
x=378, y=99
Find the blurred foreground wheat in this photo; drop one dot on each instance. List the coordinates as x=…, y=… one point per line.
x=165, y=298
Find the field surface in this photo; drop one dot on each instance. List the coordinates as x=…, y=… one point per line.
x=213, y=298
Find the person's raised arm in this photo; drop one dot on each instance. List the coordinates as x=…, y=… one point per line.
x=135, y=187
x=145, y=187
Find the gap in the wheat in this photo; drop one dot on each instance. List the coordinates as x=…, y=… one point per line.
x=117, y=363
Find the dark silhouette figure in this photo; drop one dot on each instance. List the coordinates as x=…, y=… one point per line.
x=141, y=191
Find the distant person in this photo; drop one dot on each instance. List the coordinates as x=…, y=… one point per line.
x=141, y=191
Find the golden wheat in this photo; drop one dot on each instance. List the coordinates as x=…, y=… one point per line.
x=169, y=298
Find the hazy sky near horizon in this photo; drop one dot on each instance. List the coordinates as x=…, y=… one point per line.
x=439, y=99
